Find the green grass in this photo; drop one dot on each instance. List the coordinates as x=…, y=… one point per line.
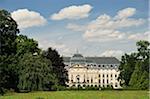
x=79, y=95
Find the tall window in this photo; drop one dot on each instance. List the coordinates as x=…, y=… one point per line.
x=78, y=78
x=111, y=75
x=107, y=81
x=103, y=81
x=99, y=81
x=91, y=80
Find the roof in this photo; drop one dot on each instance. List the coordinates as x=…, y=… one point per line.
x=77, y=55
x=97, y=60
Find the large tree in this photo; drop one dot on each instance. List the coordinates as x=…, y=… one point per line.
x=8, y=34
x=35, y=73
x=134, y=68
x=26, y=45
x=57, y=65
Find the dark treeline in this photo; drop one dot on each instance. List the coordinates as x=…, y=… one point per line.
x=23, y=66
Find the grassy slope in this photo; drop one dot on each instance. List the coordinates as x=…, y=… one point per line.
x=80, y=95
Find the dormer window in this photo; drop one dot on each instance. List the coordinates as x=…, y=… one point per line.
x=99, y=65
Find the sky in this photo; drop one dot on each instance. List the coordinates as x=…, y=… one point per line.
x=93, y=27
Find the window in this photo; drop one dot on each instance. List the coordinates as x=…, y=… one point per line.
x=107, y=81
x=103, y=65
x=115, y=75
x=99, y=65
x=107, y=75
x=91, y=80
x=116, y=85
x=99, y=81
x=99, y=75
x=111, y=65
x=111, y=75
x=103, y=75
x=103, y=81
x=84, y=85
x=88, y=81
x=94, y=65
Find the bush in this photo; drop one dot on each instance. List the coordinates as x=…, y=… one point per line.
x=58, y=88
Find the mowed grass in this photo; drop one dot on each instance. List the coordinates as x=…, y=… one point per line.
x=79, y=95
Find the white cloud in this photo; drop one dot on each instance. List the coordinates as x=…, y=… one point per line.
x=73, y=12
x=26, y=18
x=125, y=13
x=107, y=28
x=60, y=47
x=103, y=35
x=76, y=27
x=140, y=36
x=114, y=53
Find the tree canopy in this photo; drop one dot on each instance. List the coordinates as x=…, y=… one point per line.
x=134, y=68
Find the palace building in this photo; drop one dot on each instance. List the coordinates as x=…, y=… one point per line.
x=92, y=71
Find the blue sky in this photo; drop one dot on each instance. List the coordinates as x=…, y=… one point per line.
x=94, y=27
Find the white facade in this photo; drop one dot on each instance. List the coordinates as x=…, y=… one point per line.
x=83, y=73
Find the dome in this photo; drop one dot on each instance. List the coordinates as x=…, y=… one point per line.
x=77, y=58
x=77, y=55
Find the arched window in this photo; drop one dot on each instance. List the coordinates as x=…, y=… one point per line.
x=99, y=75
x=91, y=80
x=111, y=75
x=99, y=81
x=78, y=78
x=103, y=75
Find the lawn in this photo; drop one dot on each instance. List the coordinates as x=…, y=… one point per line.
x=79, y=95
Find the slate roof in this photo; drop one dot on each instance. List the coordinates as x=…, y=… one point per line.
x=97, y=60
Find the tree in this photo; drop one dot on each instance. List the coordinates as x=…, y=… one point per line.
x=143, y=50
x=8, y=34
x=127, y=67
x=57, y=65
x=26, y=45
x=35, y=73
x=134, y=68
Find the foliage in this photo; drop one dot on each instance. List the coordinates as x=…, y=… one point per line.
x=8, y=34
x=35, y=73
x=57, y=65
x=26, y=45
x=134, y=68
